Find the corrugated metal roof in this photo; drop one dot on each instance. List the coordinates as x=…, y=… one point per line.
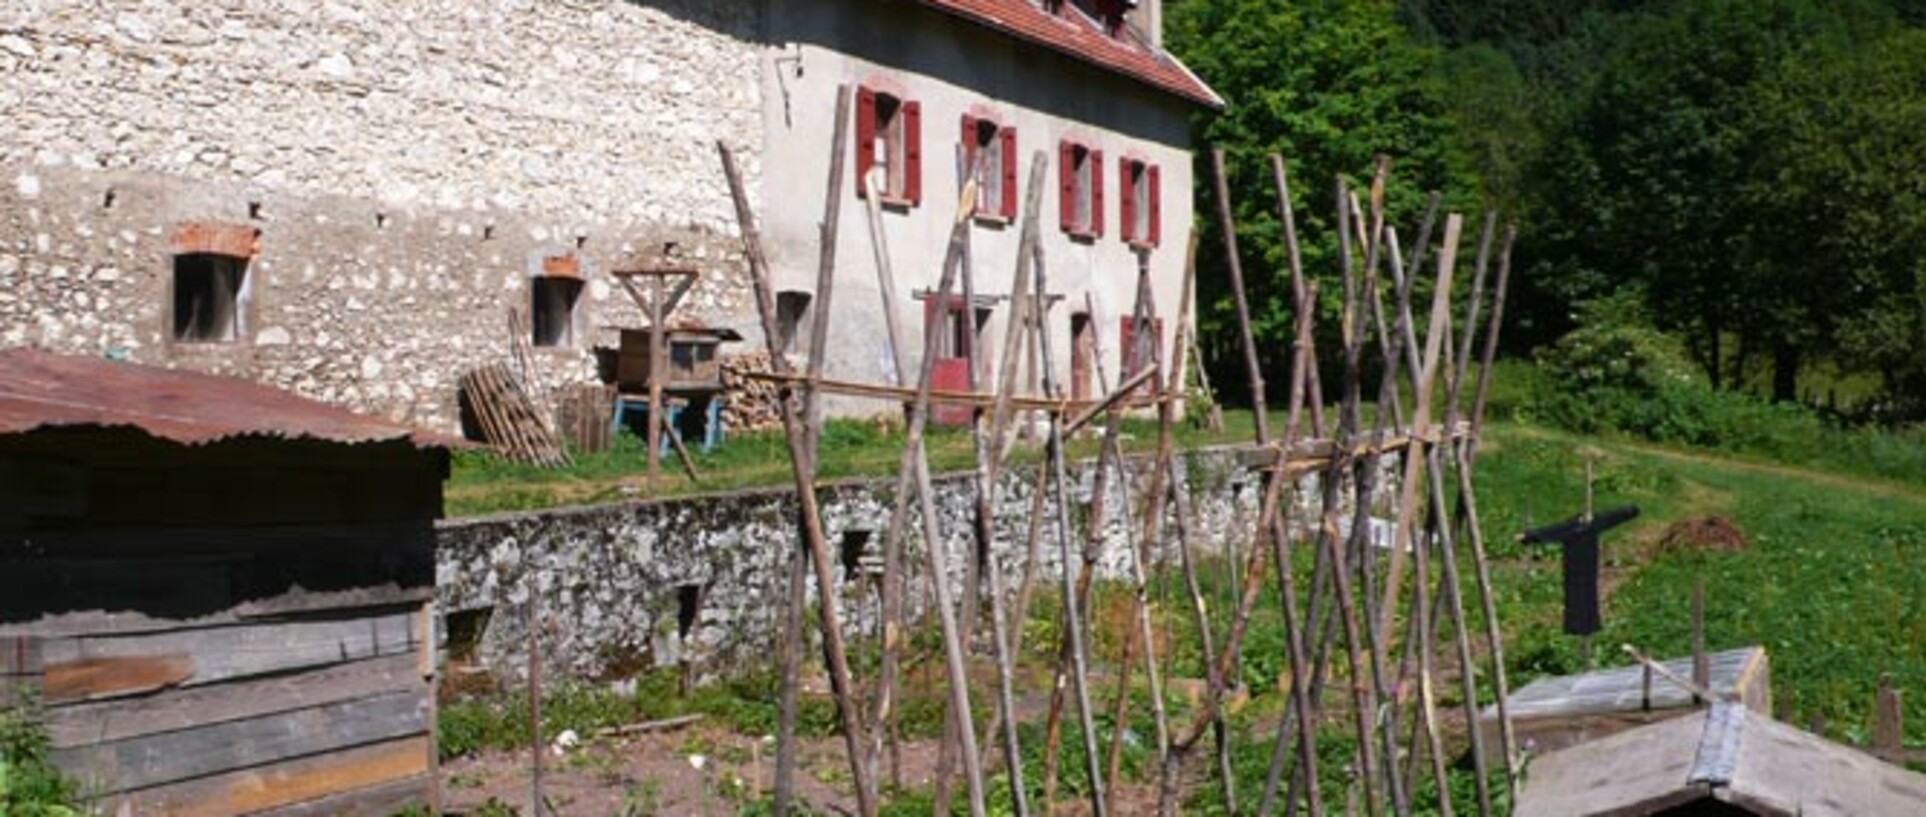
x=1073, y=34
x=41, y=390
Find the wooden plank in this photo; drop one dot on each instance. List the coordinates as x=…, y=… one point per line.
x=115, y=676
x=383, y=800
x=223, y=653
x=20, y=655
x=1888, y=723
x=169, y=757
x=75, y=725
x=1808, y=775
x=1646, y=767
x=282, y=785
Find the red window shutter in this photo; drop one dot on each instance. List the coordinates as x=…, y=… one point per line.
x=1126, y=344
x=1067, y=186
x=968, y=141
x=1096, y=193
x=1156, y=206
x=865, y=138
x=1126, y=201
x=913, y=151
x=1009, y=173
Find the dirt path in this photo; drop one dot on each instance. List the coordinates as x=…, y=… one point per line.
x=1873, y=485
x=660, y=774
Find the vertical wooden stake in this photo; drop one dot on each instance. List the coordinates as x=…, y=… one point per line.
x=1888, y=727
x=1701, y=663
x=803, y=462
x=658, y=364
x=535, y=741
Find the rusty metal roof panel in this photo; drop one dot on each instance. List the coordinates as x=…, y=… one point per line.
x=42, y=390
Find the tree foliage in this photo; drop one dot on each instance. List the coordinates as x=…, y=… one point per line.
x=1329, y=85
x=1745, y=169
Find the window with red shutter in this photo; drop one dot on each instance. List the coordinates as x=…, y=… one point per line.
x=1156, y=199
x=865, y=137
x=1081, y=194
x=889, y=137
x=1095, y=165
x=989, y=154
x=1067, y=186
x=1009, y=171
x=912, y=149
x=1139, y=203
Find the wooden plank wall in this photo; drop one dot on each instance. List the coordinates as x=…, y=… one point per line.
x=327, y=711
x=240, y=628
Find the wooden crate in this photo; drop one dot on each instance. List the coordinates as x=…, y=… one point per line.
x=693, y=359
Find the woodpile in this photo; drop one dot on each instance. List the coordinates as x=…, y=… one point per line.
x=752, y=404
x=508, y=418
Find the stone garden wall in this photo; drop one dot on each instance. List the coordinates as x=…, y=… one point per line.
x=651, y=583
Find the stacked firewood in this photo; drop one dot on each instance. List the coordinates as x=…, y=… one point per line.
x=751, y=403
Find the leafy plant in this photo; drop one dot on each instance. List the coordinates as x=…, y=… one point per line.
x=30, y=785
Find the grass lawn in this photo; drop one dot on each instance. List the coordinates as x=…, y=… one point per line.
x=482, y=483
x=1831, y=583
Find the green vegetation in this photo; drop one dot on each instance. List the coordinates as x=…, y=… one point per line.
x=30, y=786
x=482, y=482
x=1742, y=169
x=1833, y=564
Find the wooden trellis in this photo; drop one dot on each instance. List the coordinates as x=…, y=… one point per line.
x=1376, y=615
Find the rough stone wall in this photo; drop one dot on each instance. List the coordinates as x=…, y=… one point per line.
x=408, y=165
x=607, y=579
x=597, y=111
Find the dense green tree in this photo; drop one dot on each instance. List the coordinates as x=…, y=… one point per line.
x=1640, y=180
x=1328, y=84
x=1842, y=202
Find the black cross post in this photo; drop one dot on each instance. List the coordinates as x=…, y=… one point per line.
x=1579, y=538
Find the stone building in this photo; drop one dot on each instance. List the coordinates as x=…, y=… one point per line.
x=346, y=198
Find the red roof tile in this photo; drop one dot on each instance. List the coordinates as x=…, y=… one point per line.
x=44, y=390
x=1075, y=35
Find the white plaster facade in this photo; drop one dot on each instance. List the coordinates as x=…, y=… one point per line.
x=953, y=66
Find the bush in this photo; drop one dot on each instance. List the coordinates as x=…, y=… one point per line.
x=1616, y=350
x=30, y=785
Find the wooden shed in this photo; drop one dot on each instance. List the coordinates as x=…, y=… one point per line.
x=1726, y=760
x=221, y=593
x=1566, y=710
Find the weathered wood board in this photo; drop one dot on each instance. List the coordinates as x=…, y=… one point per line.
x=97, y=722
x=101, y=666
x=282, y=785
x=211, y=748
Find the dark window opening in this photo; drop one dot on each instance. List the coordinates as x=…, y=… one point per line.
x=208, y=290
x=465, y=630
x=688, y=606
x=552, y=309
x=854, y=552
x=792, y=314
